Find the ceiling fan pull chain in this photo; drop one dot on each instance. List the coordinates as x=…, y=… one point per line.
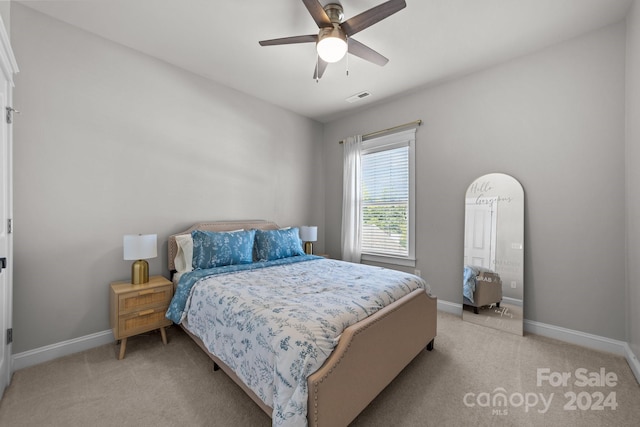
x=317, y=68
x=347, y=55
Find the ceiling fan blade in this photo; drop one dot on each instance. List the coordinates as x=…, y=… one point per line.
x=290, y=40
x=365, y=52
x=375, y=14
x=318, y=71
x=317, y=13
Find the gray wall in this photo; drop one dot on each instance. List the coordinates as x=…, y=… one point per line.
x=5, y=9
x=633, y=177
x=112, y=142
x=555, y=121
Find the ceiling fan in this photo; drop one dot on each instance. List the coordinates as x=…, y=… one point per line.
x=334, y=39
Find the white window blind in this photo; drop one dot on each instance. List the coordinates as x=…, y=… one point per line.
x=387, y=185
x=385, y=202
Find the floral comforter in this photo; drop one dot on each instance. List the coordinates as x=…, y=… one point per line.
x=275, y=323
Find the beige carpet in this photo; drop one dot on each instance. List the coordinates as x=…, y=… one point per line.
x=454, y=385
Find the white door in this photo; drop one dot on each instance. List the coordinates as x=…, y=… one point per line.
x=5, y=244
x=8, y=68
x=480, y=232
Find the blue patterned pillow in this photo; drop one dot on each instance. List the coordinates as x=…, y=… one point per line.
x=217, y=249
x=276, y=244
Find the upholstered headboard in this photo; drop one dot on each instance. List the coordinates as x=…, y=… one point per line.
x=216, y=226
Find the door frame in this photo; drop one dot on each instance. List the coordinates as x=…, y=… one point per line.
x=8, y=68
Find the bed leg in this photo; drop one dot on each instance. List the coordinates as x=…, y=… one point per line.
x=475, y=310
x=215, y=367
x=430, y=345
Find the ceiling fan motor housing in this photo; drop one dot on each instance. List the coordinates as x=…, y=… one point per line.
x=334, y=12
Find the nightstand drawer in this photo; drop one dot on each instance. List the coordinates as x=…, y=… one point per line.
x=144, y=298
x=142, y=321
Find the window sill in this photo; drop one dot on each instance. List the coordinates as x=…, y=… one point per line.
x=406, y=262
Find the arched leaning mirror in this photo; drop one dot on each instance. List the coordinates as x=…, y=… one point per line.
x=493, y=271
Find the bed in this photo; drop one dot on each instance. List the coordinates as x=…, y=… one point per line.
x=481, y=287
x=362, y=359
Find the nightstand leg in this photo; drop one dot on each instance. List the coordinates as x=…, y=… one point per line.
x=164, y=336
x=123, y=347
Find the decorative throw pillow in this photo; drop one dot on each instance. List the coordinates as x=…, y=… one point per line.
x=217, y=249
x=184, y=256
x=276, y=244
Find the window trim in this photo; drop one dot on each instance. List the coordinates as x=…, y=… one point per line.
x=406, y=138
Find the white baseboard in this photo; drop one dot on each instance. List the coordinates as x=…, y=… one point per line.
x=512, y=301
x=583, y=339
x=571, y=336
x=455, y=308
x=450, y=307
x=595, y=342
x=633, y=362
x=64, y=348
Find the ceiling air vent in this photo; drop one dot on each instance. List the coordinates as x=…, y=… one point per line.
x=359, y=96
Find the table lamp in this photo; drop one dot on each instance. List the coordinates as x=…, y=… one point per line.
x=140, y=247
x=308, y=234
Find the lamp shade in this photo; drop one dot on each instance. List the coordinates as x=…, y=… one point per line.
x=140, y=246
x=309, y=233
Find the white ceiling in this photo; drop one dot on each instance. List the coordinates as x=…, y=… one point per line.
x=427, y=42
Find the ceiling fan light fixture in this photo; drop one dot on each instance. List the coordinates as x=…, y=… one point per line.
x=332, y=44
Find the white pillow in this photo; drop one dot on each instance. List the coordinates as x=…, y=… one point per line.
x=184, y=258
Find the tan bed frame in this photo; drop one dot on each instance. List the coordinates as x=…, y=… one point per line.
x=369, y=355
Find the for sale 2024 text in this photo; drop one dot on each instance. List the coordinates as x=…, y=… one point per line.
x=594, y=399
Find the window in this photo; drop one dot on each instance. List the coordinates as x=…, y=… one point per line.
x=388, y=189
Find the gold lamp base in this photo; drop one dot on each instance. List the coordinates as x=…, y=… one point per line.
x=308, y=248
x=140, y=272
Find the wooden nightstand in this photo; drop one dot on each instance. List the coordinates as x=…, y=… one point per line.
x=136, y=309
